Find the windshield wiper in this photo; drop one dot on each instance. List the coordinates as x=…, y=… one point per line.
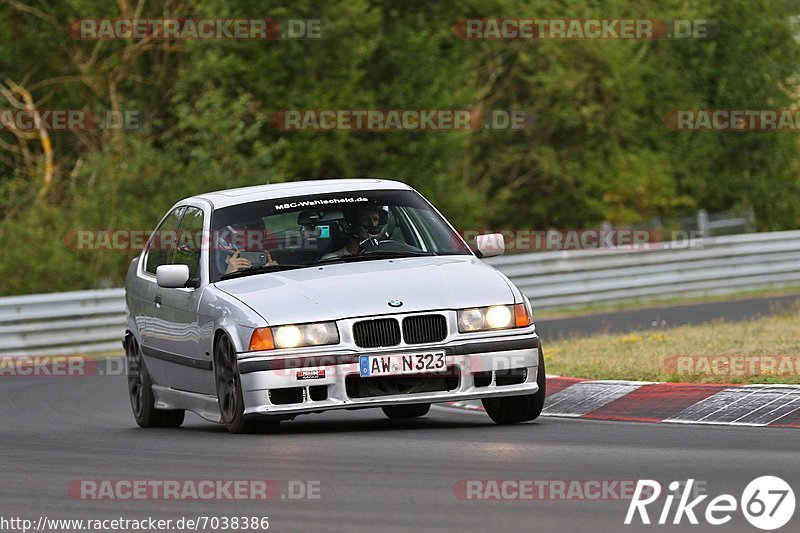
x=374, y=255
x=260, y=270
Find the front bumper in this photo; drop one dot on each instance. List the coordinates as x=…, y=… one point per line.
x=292, y=384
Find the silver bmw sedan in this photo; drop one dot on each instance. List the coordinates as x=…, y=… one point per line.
x=251, y=306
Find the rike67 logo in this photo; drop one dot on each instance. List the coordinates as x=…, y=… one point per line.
x=767, y=503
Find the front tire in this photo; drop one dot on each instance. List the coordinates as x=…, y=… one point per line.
x=404, y=412
x=515, y=409
x=229, y=392
x=140, y=392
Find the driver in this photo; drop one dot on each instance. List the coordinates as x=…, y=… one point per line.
x=238, y=233
x=364, y=227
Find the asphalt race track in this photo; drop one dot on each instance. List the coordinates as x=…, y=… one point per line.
x=664, y=317
x=375, y=475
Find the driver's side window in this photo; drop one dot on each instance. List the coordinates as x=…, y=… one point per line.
x=162, y=242
x=188, y=241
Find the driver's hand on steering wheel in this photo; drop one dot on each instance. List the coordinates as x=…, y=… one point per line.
x=366, y=245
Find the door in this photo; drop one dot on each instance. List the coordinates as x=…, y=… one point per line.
x=159, y=252
x=184, y=329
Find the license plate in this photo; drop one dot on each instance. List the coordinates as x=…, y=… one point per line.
x=402, y=363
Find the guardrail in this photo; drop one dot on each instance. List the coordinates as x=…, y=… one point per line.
x=93, y=321
x=716, y=265
x=62, y=322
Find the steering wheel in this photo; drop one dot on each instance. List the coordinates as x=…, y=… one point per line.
x=386, y=245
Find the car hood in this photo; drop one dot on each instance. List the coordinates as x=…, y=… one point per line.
x=338, y=291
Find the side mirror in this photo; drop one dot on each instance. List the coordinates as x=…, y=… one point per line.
x=172, y=276
x=490, y=245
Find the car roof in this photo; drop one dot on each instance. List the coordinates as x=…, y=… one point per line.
x=228, y=197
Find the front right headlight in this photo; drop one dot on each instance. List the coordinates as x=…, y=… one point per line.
x=294, y=336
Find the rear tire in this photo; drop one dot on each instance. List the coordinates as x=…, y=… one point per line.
x=514, y=409
x=229, y=392
x=403, y=412
x=140, y=392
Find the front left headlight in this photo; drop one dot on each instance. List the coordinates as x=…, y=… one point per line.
x=294, y=336
x=493, y=317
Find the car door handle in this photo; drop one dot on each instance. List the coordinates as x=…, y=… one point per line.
x=158, y=300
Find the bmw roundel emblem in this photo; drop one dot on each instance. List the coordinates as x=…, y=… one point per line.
x=395, y=303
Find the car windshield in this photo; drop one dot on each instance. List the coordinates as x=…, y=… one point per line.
x=303, y=231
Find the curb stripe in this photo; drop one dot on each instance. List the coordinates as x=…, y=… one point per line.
x=789, y=420
x=674, y=403
x=655, y=402
x=587, y=396
x=742, y=406
x=557, y=384
x=786, y=404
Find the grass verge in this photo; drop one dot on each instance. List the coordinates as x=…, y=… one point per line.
x=766, y=350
